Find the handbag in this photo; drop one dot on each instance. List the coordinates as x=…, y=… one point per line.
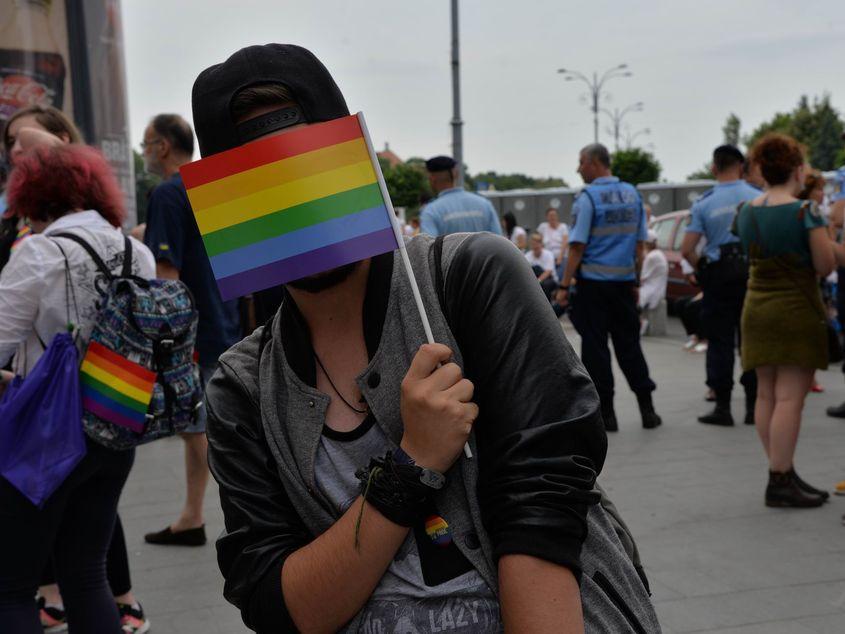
x=41, y=436
x=834, y=345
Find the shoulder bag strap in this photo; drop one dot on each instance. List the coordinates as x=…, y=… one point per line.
x=127, y=257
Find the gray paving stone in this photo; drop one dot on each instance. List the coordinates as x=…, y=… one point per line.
x=718, y=559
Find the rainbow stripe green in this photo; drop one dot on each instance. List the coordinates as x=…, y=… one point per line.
x=116, y=389
x=289, y=206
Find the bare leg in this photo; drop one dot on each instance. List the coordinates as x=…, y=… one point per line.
x=791, y=386
x=765, y=404
x=51, y=594
x=196, y=474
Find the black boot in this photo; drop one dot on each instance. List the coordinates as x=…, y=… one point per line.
x=837, y=411
x=783, y=491
x=750, y=403
x=608, y=417
x=721, y=414
x=808, y=487
x=649, y=416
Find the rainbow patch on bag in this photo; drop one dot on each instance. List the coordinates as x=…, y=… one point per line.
x=115, y=389
x=438, y=531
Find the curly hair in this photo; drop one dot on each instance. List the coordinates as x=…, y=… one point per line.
x=50, y=182
x=812, y=181
x=777, y=155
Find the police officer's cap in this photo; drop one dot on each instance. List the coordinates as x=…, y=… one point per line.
x=440, y=164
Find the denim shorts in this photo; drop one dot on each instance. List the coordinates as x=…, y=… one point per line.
x=198, y=426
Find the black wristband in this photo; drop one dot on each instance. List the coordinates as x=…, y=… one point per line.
x=395, y=490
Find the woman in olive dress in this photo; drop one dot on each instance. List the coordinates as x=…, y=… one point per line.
x=784, y=324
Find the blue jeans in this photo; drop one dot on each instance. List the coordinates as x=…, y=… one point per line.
x=76, y=525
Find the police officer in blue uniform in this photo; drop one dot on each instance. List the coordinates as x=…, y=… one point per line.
x=723, y=275
x=455, y=210
x=605, y=255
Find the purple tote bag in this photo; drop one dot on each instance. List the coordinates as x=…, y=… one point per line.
x=41, y=437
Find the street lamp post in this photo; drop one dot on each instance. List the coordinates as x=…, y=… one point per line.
x=630, y=138
x=595, y=85
x=616, y=118
x=457, y=124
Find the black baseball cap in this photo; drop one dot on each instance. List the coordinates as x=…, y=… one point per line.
x=317, y=96
x=440, y=164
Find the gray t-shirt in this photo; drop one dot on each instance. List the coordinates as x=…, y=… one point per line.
x=402, y=602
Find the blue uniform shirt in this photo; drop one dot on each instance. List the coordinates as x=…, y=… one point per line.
x=172, y=235
x=713, y=214
x=609, y=219
x=456, y=210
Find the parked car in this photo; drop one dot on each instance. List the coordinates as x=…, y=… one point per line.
x=670, y=233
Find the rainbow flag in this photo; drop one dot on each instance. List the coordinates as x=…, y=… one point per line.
x=116, y=389
x=438, y=530
x=289, y=206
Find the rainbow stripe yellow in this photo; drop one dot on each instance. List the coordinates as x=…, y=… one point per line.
x=289, y=206
x=116, y=389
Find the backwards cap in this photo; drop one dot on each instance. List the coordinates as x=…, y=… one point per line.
x=317, y=96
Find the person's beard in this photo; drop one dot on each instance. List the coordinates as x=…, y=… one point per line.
x=326, y=280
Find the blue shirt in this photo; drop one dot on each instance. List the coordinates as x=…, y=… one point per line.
x=713, y=214
x=839, y=179
x=456, y=210
x=173, y=236
x=609, y=219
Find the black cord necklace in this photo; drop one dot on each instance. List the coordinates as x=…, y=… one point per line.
x=336, y=391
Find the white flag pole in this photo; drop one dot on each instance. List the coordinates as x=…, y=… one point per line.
x=400, y=240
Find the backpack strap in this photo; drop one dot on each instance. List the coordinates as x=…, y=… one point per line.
x=91, y=252
x=439, y=282
x=127, y=254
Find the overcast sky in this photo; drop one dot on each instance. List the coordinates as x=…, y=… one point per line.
x=693, y=63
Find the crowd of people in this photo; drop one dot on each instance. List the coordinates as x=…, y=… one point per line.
x=334, y=434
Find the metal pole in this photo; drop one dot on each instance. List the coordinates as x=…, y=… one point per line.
x=457, y=124
x=596, y=89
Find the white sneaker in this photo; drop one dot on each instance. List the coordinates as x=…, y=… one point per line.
x=690, y=344
x=700, y=347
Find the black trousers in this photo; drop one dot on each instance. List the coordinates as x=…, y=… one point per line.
x=76, y=524
x=721, y=311
x=602, y=309
x=689, y=310
x=117, y=564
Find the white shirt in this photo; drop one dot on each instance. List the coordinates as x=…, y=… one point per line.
x=33, y=299
x=545, y=260
x=517, y=232
x=553, y=238
x=653, y=279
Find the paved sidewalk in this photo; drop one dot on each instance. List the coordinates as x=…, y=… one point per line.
x=718, y=559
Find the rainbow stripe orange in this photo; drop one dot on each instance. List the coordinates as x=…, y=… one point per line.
x=289, y=206
x=116, y=389
x=438, y=530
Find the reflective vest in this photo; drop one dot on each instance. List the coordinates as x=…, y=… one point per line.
x=611, y=251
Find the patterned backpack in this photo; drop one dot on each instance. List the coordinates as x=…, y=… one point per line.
x=140, y=380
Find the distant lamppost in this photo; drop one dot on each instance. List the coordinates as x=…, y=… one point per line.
x=630, y=138
x=595, y=85
x=616, y=117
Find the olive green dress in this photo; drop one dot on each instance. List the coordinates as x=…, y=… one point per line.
x=783, y=319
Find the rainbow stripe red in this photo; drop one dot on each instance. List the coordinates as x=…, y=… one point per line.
x=289, y=206
x=116, y=389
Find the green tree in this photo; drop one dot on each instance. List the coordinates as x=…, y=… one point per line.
x=702, y=174
x=731, y=129
x=635, y=166
x=406, y=184
x=503, y=182
x=817, y=125
x=144, y=184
